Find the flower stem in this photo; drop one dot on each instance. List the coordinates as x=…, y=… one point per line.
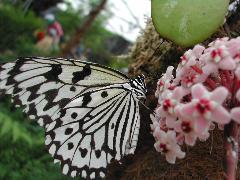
x=210, y=83
x=224, y=79
x=231, y=137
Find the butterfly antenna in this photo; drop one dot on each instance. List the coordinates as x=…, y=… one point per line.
x=151, y=111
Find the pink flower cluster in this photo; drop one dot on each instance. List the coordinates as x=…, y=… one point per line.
x=204, y=93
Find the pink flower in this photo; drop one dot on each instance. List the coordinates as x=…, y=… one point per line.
x=154, y=125
x=219, y=42
x=190, y=77
x=189, y=59
x=238, y=95
x=217, y=57
x=234, y=47
x=187, y=128
x=168, y=105
x=167, y=145
x=205, y=93
x=237, y=72
x=235, y=114
x=164, y=82
x=206, y=106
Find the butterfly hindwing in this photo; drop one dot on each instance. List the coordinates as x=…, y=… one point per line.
x=94, y=128
x=44, y=85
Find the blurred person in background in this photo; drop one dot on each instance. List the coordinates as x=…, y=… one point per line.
x=54, y=30
x=44, y=41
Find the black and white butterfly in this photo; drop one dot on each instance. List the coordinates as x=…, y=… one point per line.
x=90, y=112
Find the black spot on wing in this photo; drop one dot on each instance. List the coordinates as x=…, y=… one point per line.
x=98, y=153
x=74, y=115
x=52, y=75
x=86, y=99
x=62, y=113
x=50, y=96
x=80, y=75
x=52, y=135
x=46, y=120
x=15, y=70
x=17, y=90
x=104, y=94
x=73, y=89
x=32, y=109
x=92, y=143
x=83, y=152
x=33, y=90
x=68, y=131
x=70, y=146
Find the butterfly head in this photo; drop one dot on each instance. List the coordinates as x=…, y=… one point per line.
x=139, y=86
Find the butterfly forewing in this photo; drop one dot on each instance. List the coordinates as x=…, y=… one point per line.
x=93, y=129
x=44, y=85
x=90, y=112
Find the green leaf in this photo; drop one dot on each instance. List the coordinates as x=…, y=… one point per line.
x=14, y=129
x=188, y=22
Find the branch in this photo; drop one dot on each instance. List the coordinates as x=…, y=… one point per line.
x=83, y=29
x=132, y=14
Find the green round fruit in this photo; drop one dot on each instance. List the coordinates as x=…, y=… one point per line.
x=188, y=22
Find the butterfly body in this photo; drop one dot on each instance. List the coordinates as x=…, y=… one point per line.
x=90, y=112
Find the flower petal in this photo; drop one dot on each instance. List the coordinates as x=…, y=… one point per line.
x=209, y=68
x=204, y=137
x=220, y=115
x=201, y=126
x=178, y=93
x=157, y=147
x=190, y=139
x=237, y=72
x=179, y=153
x=171, y=121
x=238, y=95
x=186, y=110
x=171, y=157
x=178, y=126
x=233, y=46
x=227, y=64
x=235, y=114
x=198, y=91
x=198, y=50
x=219, y=95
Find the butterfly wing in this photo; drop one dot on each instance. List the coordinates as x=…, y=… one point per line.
x=94, y=128
x=45, y=85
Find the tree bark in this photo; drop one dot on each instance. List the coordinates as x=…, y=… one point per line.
x=75, y=40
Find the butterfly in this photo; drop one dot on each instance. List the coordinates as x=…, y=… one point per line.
x=90, y=112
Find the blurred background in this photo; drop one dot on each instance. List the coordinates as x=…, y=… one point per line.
x=101, y=30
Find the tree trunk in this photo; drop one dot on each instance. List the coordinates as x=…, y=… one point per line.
x=75, y=40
